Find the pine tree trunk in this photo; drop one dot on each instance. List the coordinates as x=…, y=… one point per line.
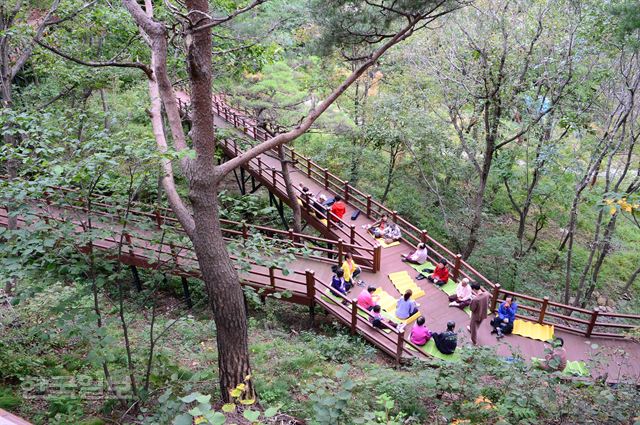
x=291, y=192
x=218, y=272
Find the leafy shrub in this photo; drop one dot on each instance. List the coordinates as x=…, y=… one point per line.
x=8, y=400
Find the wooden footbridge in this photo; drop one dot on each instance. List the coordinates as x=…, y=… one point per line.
x=152, y=238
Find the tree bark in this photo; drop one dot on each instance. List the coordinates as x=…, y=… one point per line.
x=218, y=272
x=291, y=191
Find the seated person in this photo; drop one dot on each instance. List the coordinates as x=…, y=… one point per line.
x=338, y=284
x=463, y=296
x=338, y=209
x=318, y=205
x=406, y=307
x=391, y=233
x=366, y=299
x=420, y=334
x=446, y=342
x=440, y=275
x=351, y=271
x=556, y=358
x=419, y=256
x=503, y=323
x=377, y=228
x=378, y=321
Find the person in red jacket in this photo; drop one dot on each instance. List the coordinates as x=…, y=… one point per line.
x=440, y=275
x=338, y=209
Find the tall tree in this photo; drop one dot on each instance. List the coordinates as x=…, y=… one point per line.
x=383, y=25
x=510, y=69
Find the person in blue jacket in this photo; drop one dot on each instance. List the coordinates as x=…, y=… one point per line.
x=503, y=323
x=338, y=283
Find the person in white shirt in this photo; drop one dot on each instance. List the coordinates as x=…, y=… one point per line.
x=463, y=296
x=419, y=256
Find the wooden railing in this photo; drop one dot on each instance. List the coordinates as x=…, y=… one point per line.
x=302, y=286
x=565, y=317
x=142, y=214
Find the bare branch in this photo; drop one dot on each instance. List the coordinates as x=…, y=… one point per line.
x=217, y=21
x=304, y=125
x=110, y=63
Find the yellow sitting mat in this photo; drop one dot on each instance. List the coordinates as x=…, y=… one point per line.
x=407, y=321
x=532, y=330
x=387, y=245
x=402, y=281
x=385, y=301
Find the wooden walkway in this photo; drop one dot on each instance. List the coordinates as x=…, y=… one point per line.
x=434, y=305
x=311, y=278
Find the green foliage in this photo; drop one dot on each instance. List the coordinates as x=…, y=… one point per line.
x=8, y=400
x=330, y=397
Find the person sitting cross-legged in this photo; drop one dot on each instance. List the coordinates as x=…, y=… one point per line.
x=440, y=275
x=378, y=321
x=391, y=233
x=338, y=284
x=419, y=256
x=463, y=296
x=351, y=271
x=366, y=299
x=556, y=358
x=406, y=307
x=447, y=341
x=338, y=209
x=377, y=228
x=503, y=323
x=420, y=334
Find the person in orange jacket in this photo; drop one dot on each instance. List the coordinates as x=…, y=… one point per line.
x=338, y=209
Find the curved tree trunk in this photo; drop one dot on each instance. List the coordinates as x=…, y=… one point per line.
x=291, y=191
x=218, y=272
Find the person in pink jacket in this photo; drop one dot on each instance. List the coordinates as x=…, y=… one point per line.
x=420, y=334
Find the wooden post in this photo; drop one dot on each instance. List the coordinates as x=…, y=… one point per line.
x=136, y=278
x=158, y=218
x=394, y=216
x=292, y=237
x=456, y=267
x=494, y=296
x=346, y=191
x=187, y=293
x=311, y=293
x=308, y=167
x=543, y=309
x=273, y=177
x=259, y=166
x=592, y=322
x=245, y=230
x=293, y=155
x=368, y=205
x=352, y=235
x=326, y=179
x=340, y=251
x=400, y=346
x=377, y=252
x=354, y=316
x=424, y=237
x=272, y=278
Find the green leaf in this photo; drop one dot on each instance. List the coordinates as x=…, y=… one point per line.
x=184, y=419
x=251, y=415
x=270, y=412
x=228, y=407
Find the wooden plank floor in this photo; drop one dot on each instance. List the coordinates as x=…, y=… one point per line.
x=434, y=305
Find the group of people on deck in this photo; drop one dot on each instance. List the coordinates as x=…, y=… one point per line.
x=320, y=204
x=467, y=295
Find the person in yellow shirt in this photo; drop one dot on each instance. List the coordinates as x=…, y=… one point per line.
x=351, y=271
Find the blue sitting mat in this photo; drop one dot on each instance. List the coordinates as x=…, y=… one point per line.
x=355, y=214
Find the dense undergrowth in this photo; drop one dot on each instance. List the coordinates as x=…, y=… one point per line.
x=321, y=375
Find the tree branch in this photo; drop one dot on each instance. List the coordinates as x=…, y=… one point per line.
x=22, y=59
x=110, y=63
x=217, y=21
x=304, y=125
